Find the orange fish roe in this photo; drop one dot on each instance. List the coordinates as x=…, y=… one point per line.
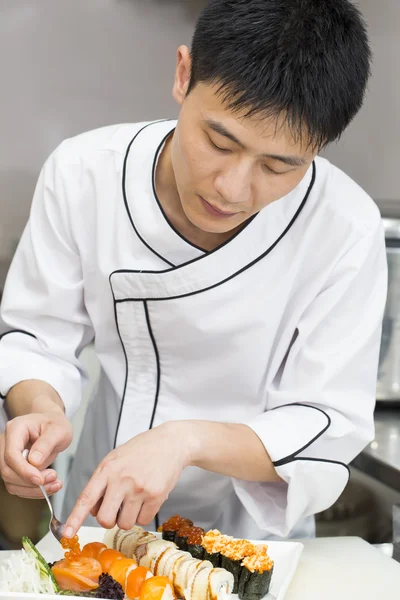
x=239, y=549
x=72, y=547
x=184, y=530
x=195, y=536
x=174, y=523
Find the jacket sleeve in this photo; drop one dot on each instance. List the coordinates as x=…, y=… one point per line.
x=44, y=322
x=320, y=407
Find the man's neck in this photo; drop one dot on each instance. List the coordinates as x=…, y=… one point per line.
x=169, y=199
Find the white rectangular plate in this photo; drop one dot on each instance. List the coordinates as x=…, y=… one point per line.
x=286, y=556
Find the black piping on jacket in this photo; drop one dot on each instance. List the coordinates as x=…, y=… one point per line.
x=8, y=333
x=125, y=197
x=153, y=341
x=295, y=455
x=290, y=458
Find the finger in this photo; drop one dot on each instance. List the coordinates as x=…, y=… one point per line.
x=128, y=515
x=49, y=475
x=148, y=512
x=10, y=477
x=48, y=486
x=94, y=490
x=16, y=439
x=43, y=450
x=96, y=507
x=33, y=492
x=108, y=512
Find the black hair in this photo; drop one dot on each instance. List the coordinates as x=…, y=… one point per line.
x=308, y=60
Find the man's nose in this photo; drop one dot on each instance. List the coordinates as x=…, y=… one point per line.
x=234, y=183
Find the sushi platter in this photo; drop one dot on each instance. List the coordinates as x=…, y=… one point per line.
x=158, y=553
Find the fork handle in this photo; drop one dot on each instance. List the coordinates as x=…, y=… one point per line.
x=47, y=498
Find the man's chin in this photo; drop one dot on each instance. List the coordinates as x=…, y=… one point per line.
x=216, y=226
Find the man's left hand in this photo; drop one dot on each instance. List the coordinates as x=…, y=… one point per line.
x=134, y=480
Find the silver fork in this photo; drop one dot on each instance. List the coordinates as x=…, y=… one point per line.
x=55, y=526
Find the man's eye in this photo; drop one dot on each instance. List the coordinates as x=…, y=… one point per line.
x=267, y=168
x=226, y=150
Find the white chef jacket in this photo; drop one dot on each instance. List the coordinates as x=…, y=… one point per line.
x=278, y=328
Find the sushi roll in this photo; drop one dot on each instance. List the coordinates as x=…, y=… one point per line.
x=220, y=584
x=232, y=556
x=197, y=565
x=164, y=560
x=127, y=541
x=182, y=535
x=179, y=573
x=209, y=584
x=147, y=554
x=194, y=542
x=255, y=576
x=112, y=537
x=170, y=527
x=172, y=563
x=129, y=547
x=213, y=543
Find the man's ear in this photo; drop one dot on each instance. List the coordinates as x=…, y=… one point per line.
x=182, y=74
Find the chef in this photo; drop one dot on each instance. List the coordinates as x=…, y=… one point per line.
x=232, y=281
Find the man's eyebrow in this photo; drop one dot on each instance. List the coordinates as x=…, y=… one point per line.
x=292, y=161
x=219, y=128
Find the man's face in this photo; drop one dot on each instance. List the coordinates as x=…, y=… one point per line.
x=226, y=168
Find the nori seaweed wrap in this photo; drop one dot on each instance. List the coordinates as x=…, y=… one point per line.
x=234, y=567
x=194, y=541
x=255, y=577
x=213, y=544
x=171, y=526
x=182, y=536
x=232, y=556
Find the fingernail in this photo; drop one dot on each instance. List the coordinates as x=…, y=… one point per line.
x=50, y=478
x=68, y=531
x=36, y=457
x=55, y=487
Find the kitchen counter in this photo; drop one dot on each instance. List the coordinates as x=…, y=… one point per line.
x=381, y=458
x=344, y=569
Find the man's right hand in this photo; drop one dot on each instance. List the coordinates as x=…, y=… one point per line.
x=46, y=434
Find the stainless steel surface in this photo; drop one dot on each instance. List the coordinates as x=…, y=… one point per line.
x=388, y=388
x=392, y=228
x=396, y=532
x=381, y=458
x=55, y=526
x=386, y=549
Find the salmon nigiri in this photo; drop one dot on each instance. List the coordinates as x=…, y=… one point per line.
x=135, y=580
x=78, y=575
x=93, y=549
x=157, y=588
x=119, y=569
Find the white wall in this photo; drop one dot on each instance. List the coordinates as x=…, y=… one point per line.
x=71, y=65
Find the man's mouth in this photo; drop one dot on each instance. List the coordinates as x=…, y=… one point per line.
x=216, y=212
